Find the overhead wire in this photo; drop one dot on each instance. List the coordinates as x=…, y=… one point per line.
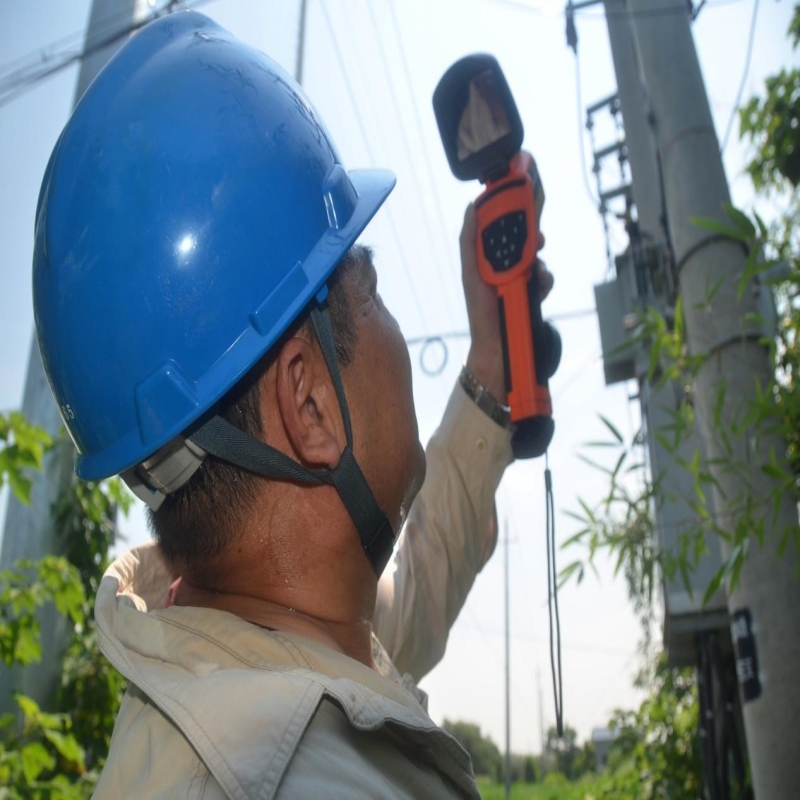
x=362, y=128
x=437, y=200
x=478, y=627
x=20, y=81
x=42, y=55
x=578, y=647
x=429, y=340
x=578, y=91
x=743, y=81
x=407, y=146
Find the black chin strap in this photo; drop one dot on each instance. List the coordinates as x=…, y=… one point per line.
x=227, y=442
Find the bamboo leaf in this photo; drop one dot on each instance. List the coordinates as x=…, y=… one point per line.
x=615, y=433
x=763, y=232
x=719, y=402
x=567, y=572
x=594, y=464
x=679, y=318
x=573, y=539
x=589, y=513
x=715, y=226
x=749, y=271
x=664, y=442
x=713, y=587
x=714, y=288
x=741, y=220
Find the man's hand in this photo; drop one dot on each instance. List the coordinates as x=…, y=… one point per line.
x=485, y=357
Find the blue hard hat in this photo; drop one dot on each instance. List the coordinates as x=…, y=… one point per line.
x=192, y=208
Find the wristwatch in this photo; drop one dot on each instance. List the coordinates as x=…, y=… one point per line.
x=485, y=400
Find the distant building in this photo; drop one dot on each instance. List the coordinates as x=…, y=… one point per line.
x=602, y=739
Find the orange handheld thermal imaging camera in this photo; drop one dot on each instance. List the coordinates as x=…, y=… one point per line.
x=482, y=135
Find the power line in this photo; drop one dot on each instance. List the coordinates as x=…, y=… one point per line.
x=24, y=79
x=48, y=52
x=745, y=73
x=423, y=141
x=407, y=146
x=576, y=646
x=479, y=628
x=371, y=156
x=563, y=316
x=578, y=92
x=428, y=341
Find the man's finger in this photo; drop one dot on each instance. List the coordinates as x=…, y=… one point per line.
x=546, y=279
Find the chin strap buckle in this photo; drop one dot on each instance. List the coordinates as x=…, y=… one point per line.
x=165, y=471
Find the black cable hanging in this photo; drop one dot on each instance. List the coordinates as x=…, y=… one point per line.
x=552, y=601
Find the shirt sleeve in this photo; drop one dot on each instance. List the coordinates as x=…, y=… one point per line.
x=450, y=533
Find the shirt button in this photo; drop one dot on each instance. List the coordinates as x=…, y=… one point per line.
x=481, y=444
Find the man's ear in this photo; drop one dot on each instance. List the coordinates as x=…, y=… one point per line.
x=308, y=404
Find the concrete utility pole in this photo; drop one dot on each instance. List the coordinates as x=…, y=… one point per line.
x=29, y=531
x=649, y=252
x=765, y=604
x=301, y=43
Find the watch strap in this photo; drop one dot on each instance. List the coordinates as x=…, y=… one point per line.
x=485, y=400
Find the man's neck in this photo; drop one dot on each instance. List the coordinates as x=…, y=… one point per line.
x=353, y=636
x=301, y=572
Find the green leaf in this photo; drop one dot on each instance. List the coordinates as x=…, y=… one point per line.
x=750, y=270
x=715, y=226
x=736, y=562
x=713, y=587
x=35, y=760
x=28, y=648
x=740, y=220
x=594, y=464
x=714, y=288
x=573, y=539
x=669, y=446
x=615, y=433
x=719, y=403
x=66, y=745
x=29, y=707
x=762, y=228
x=679, y=318
x=568, y=571
x=20, y=485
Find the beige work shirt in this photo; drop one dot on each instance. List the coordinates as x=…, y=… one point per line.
x=220, y=708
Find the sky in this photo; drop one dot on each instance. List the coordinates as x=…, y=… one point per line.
x=370, y=68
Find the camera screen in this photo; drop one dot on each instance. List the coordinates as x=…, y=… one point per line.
x=484, y=119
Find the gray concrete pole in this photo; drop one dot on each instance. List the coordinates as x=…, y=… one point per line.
x=29, y=531
x=301, y=43
x=695, y=185
x=684, y=614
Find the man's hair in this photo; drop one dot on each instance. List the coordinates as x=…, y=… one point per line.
x=200, y=520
